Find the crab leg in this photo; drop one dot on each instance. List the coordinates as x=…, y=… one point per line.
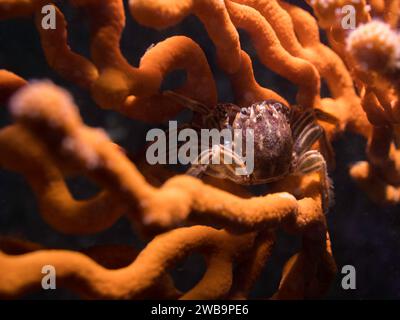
x=187, y=102
x=313, y=161
x=310, y=134
x=301, y=122
x=204, y=162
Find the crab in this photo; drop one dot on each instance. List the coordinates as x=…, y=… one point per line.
x=283, y=137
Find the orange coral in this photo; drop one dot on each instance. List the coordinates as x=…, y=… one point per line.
x=367, y=46
x=43, y=112
x=49, y=141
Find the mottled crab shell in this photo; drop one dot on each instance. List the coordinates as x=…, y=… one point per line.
x=273, y=142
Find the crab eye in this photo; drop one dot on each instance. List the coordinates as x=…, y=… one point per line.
x=281, y=108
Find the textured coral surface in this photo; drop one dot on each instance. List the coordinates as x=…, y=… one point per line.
x=93, y=133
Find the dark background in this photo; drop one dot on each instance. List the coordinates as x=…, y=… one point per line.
x=363, y=234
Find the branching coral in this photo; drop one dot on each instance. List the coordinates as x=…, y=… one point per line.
x=367, y=46
x=49, y=142
x=46, y=114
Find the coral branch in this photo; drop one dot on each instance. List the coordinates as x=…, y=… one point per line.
x=213, y=15
x=48, y=112
x=9, y=83
x=273, y=55
x=59, y=55
x=375, y=53
x=113, y=82
x=138, y=280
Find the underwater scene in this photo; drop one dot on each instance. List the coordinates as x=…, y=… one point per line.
x=199, y=149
